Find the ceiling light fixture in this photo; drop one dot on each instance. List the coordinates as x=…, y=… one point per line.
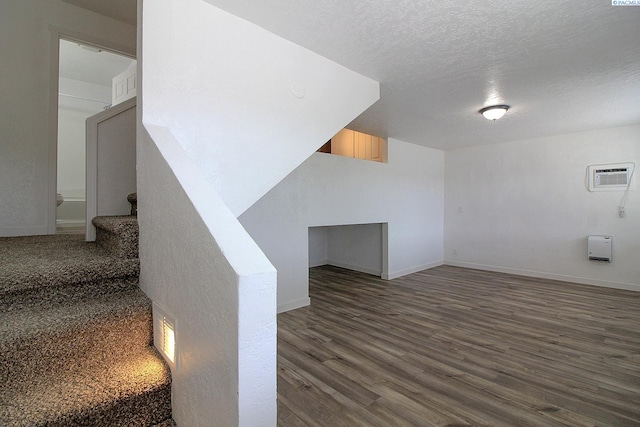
x=494, y=112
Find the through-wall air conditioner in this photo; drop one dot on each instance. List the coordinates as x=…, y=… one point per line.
x=611, y=177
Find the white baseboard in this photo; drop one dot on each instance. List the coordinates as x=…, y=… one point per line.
x=359, y=268
x=70, y=223
x=396, y=274
x=550, y=276
x=292, y=305
x=318, y=263
x=23, y=231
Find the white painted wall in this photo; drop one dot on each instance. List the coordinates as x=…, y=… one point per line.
x=116, y=155
x=25, y=25
x=199, y=264
x=254, y=108
x=525, y=208
x=111, y=162
x=124, y=86
x=72, y=115
x=100, y=95
x=71, y=214
x=407, y=193
x=71, y=153
x=318, y=246
x=356, y=247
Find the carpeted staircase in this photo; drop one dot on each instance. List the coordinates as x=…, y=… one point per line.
x=76, y=333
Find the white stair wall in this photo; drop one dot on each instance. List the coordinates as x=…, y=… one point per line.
x=247, y=106
x=205, y=271
x=228, y=110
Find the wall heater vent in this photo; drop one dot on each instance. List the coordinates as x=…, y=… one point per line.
x=599, y=248
x=610, y=177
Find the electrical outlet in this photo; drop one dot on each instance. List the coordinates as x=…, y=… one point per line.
x=622, y=211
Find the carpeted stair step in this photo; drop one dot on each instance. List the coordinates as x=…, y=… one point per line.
x=59, y=268
x=118, y=235
x=89, y=363
x=76, y=333
x=133, y=392
x=86, y=333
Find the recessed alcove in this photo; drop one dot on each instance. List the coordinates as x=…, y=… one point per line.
x=358, y=247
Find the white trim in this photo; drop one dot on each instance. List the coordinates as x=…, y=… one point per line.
x=353, y=267
x=292, y=305
x=56, y=34
x=24, y=231
x=92, y=161
x=550, y=276
x=76, y=36
x=318, y=263
x=52, y=187
x=69, y=223
x=401, y=273
x=385, y=241
x=74, y=199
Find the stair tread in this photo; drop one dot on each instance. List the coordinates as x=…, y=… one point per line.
x=115, y=223
x=118, y=235
x=59, y=319
x=42, y=339
x=123, y=393
x=76, y=333
x=39, y=261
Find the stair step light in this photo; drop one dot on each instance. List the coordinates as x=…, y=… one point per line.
x=164, y=335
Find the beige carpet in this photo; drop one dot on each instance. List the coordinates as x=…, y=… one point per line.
x=75, y=335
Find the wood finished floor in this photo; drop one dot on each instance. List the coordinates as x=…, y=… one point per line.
x=457, y=347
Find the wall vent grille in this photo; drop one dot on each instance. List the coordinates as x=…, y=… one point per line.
x=610, y=177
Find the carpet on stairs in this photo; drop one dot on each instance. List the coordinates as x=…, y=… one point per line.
x=34, y=263
x=76, y=334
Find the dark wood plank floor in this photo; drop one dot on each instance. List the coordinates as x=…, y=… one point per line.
x=458, y=347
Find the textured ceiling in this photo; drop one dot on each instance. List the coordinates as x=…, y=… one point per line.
x=563, y=66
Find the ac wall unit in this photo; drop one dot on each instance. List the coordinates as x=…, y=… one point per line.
x=612, y=177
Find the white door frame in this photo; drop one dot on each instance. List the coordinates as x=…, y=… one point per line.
x=58, y=34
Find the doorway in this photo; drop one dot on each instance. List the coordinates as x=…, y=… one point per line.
x=85, y=88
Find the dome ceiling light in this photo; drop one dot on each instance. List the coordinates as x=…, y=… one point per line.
x=494, y=112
